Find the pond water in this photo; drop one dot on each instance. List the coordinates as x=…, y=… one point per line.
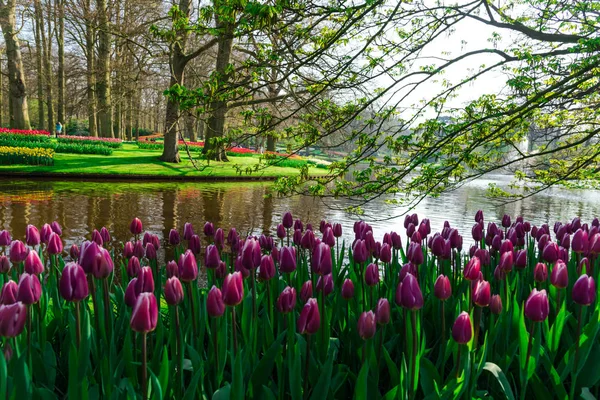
x=82, y=206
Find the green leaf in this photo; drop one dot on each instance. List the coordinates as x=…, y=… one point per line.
x=321, y=389
x=556, y=330
x=295, y=372
x=163, y=376
x=190, y=392
x=392, y=368
x=429, y=377
x=157, y=391
x=22, y=379
x=3, y=376
x=501, y=378
x=223, y=393
x=237, y=386
x=586, y=394
x=360, y=389
x=262, y=371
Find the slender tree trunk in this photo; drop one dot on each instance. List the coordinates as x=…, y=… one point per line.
x=201, y=126
x=46, y=54
x=103, y=78
x=60, y=38
x=2, y=92
x=40, y=75
x=91, y=72
x=16, y=79
x=215, y=128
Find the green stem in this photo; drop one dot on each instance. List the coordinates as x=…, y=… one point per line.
x=144, y=369
x=414, y=354
x=574, y=371
x=78, y=323
x=529, y=346
x=306, y=365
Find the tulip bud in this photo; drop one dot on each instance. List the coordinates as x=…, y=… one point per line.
x=74, y=252
x=521, y=261
x=188, y=231
x=385, y=255
x=328, y=237
x=408, y=293
x=559, y=278
x=209, y=229
x=97, y=238
x=442, y=288
x=540, y=272
x=174, y=291
x=55, y=226
x=221, y=270
x=32, y=235
x=194, y=244
x=462, y=331
x=281, y=233
x=18, y=252
x=267, y=268
x=410, y=230
x=12, y=319
x=584, y=290
x=396, y=241
x=347, y=289
x=103, y=264
x=437, y=245
x=212, y=257
x=29, y=290
x=306, y=291
x=219, y=239
x=214, y=303
x=288, y=220
x=128, y=250
x=240, y=268
x=310, y=319
x=536, y=306
x=266, y=242
x=55, y=245
x=482, y=293
x=287, y=259
x=130, y=293
x=477, y=232
x=188, y=268
x=145, y=281
x=133, y=267
x=9, y=293
x=233, y=289
x=172, y=269
x=408, y=268
x=136, y=226
x=251, y=254
x=472, y=269
x=174, y=238
x=308, y=240
x=550, y=252
x=496, y=304
x=287, y=300
x=5, y=238
x=359, y=252
x=145, y=313
x=506, y=261
x=150, y=251
x=366, y=325
x=155, y=241
x=382, y=311
x=321, y=259
x=138, y=249
x=506, y=221
x=337, y=230
x=33, y=264
x=372, y=275
x=73, y=283
x=105, y=235
x=297, y=237
x=4, y=265
x=325, y=284
x=45, y=233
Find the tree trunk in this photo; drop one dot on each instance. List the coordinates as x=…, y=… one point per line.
x=46, y=54
x=170, y=147
x=2, y=94
x=190, y=126
x=91, y=72
x=218, y=108
x=103, y=79
x=201, y=126
x=60, y=38
x=40, y=75
x=16, y=79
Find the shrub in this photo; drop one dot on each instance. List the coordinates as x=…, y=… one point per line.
x=26, y=155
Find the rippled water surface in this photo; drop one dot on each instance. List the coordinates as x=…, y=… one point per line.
x=83, y=206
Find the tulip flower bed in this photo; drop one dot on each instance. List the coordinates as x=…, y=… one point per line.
x=67, y=148
x=91, y=141
x=10, y=137
x=23, y=132
x=304, y=314
x=25, y=155
x=197, y=147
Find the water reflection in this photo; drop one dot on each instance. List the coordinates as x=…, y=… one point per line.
x=81, y=207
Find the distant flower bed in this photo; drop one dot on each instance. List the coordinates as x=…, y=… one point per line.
x=26, y=155
x=33, y=132
x=14, y=137
x=90, y=140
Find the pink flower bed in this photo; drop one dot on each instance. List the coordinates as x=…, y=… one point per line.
x=24, y=132
x=100, y=139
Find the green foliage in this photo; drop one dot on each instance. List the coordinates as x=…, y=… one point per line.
x=91, y=142
x=83, y=148
x=25, y=138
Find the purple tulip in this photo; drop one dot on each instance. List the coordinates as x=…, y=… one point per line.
x=559, y=278
x=550, y=252
x=135, y=227
x=396, y=241
x=146, y=239
x=45, y=233
x=281, y=232
x=584, y=290
x=233, y=289
x=194, y=244
x=472, y=269
x=536, y=306
x=188, y=231
x=5, y=238
x=55, y=245
x=130, y=293
x=33, y=264
x=496, y=305
x=9, y=293
x=286, y=300
x=12, y=319
x=337, y=230
x=138, y=249
x=251, y=254
x=214, y=303
x=287, y=259
x=239, y=267
x=298, y=225
x=347, y=289
x=105, y=235
x=306, y=291
x=32, y=236
x=372, y=275
x=479, y=216
x=174, y=291
x=172, y=269
x=506, y=221
x=442, y=288
x=29, y=290
x=297, y=237
x=145, y=281
x=367, y=325
x=212, y=257
x=408, y=293
x=540, y=272
x=308, y=240
x=73, y=283
x=359, y=252
x=288, y=220
x=133, y=267
x=408, y=268
x=55, y=226
x=188, y=268
x=102, y=265
x=482, y=293
x=310, y=319
x=328, y=237
x=74, y=252
x=209, y=229
x=462, y=330
x=321, y=259
x=415, y=253
x=325, y=284
x=145, y=313
x=267, y=268
x=382, y=311
x=437, y=245
x=174, y=238
x=4, y=264
x=521, y=261
x=128, y=250
x=150, y=251
x=18, y=252
x=477, y=232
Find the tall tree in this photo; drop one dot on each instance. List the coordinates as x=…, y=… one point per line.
x=16, y=78
x=40, y=74
x=103, y=78
x=59, y=23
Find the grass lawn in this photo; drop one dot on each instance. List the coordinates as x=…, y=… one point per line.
x=130, y=160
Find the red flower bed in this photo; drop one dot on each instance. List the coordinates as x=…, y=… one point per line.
x=24, y=131
x=192, y=144
x=99, y=139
